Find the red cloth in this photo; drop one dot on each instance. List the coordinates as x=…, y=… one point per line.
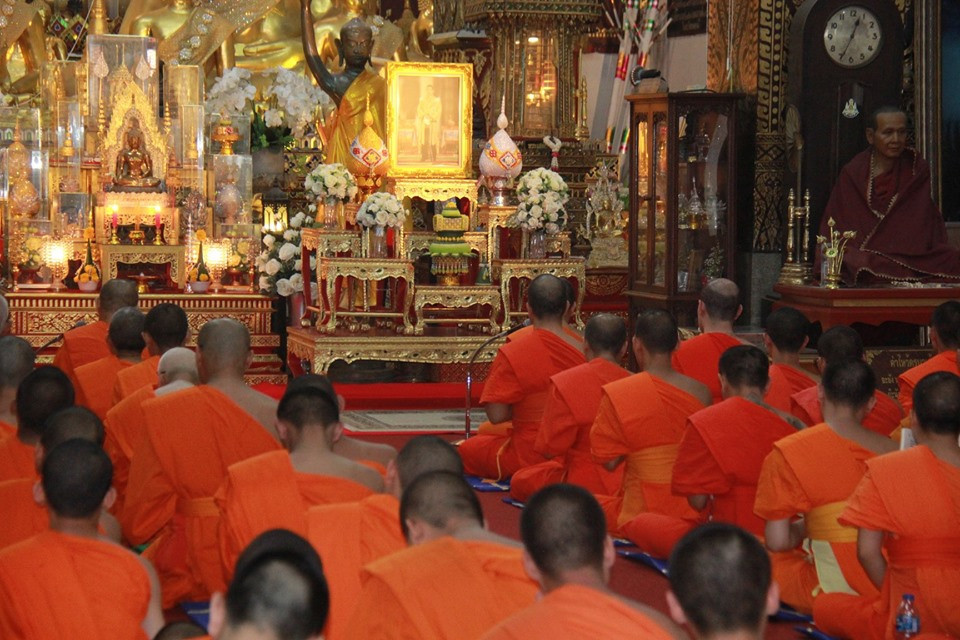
x=17, y=460
x=126, y=427
x=95, y=383
x=784, y=382
x=59, y=586
x=81, y=346
x=699, y=358
x=915, y=498
x=883, y=418
x=142, y=374
x=7, y=429
x=943, y=361
x=565, y=433
x=907, y=242
x=23, y=518
x=520, y=376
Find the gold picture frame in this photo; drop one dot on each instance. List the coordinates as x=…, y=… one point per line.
x=429, y=119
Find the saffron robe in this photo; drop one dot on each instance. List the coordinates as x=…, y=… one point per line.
x=17, y=460
x=813, y=472
x=520, y=376
x=527, y=330
x=142, y=374
x=883, y=418
x=95, y=384
x=643, y=418
x=81, y=346
x=943, y=361
x=565, y=434
x=193, y=436
x=126, y=427
x=784, y=382
x=23, y=518
x=347, y=120
x=572, y=612
x=446, y=588
x=7, y=429
x=60, y=586
x=699, y=358
x=915, y=498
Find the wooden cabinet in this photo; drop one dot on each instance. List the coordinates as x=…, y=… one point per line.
x=682, y=198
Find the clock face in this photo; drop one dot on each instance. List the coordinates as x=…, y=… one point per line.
x=852, y=36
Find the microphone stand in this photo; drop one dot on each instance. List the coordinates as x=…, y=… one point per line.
x=502, y=334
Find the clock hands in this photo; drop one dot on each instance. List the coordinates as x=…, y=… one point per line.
x=853, y=33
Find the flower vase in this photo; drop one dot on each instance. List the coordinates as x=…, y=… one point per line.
x=378, y=242
x=330, y=220
x=537, y=244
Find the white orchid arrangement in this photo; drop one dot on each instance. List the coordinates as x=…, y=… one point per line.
x=382, y=209
x=292, y=100
x=542, y=194
x=331, y=181
x=231, y=92
x=279, y=263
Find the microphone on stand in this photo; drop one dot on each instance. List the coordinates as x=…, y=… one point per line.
x=502, y=334
x=58, y=337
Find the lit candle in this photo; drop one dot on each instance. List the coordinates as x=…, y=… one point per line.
x=115, y=219
x=156, y=217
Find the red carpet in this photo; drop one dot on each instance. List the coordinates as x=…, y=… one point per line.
x=397, y=395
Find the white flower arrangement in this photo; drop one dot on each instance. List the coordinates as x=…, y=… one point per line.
x=331, y=181
x=278, y=264
x=542, y=194
x=292, y=100
x=231, y=92
x=382, y=209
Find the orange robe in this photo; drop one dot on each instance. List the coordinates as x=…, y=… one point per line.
x=565, y=434
x=643, y=418
x=265, y=492
x=193, y=435
x=60, y=586
x=699, y=358
x=126, y=427
x=348, y=536
x=22, y=517
x=142, y=374
x=527, y=330
x=95, y=383
x=813, y=472
x=81, y=346
x=883, y=418
x=915, y=498
x=7, y=429
x=520, y=377
x=572, y=612
x=943, y=361
x=17, y=460
x=784, y=382
x=446, y=588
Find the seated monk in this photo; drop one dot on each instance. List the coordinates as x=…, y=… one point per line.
x=193, y=436
x=564, y=436
x=641, y=419
x=785, y=337
x=70, y=582
x=906, y=509
x=17, y=358
x=945, y=339
x=164, y=328
x=718, y=308
x=95, y=380
x=88, y=343
x=567, y=550
x=516, y=388
x=837, y=345
x=883, y=195
x=126, y=423
x=719, y=459
x=42, y=393
x=812, y=473
x=568, y=317
x=456, y=580
x=720, y=584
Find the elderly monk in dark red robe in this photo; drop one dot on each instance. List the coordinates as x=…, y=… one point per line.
x=883, y=194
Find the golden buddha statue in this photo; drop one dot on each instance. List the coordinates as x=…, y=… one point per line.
x=22, y=198
x=419, y=47
x=22, y=29
x=134, y=167
x=166, y=21
x=272, y=41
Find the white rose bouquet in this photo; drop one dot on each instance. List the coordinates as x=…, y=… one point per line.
x=331, y=181
x=382, y=210
x=542, y=194
x=278, y=264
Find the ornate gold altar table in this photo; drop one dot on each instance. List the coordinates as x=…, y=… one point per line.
x=111, y=255
x=366, y=270
x=573, y=267
x=457, y=298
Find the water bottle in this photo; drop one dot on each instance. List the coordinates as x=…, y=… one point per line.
x=907, y=623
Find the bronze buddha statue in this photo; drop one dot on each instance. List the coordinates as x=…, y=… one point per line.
x=134, y=167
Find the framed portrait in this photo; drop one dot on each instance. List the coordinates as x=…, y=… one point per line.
x=429, y=119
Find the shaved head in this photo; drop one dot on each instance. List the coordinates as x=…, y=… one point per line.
x=787, y=328
x=178, y=363
x=441, y=499
x=840, y=344
x=69, y=424
x=126, y=331
x=936, y=403
x=547, y=297
x=116, y=294
x=16, y=361
x=564, y=529
x=946, y=322
x=42, y=393
x=166, y=324
x=424, y=454
x=180, y=631
x=745, y=366
x=605, y=333
x=223, y=347
x=721, y=299
x=76, y=476
x=657, y=331
x=850, y=384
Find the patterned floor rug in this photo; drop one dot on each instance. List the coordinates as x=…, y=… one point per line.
x=439, y=421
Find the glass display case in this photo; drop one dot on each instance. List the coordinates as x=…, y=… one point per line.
x=682, y=198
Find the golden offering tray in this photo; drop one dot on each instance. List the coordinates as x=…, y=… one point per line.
x=419, y=242
x=457, y=298
x=436, y=190
x=572, y=267
x=174, y=255
x=364, y=270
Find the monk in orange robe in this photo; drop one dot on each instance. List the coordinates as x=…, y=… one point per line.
x=95, y=380
x=456, y=580
x=785, y=338
x=165, y=327
x=68, y=582
x=907, y=508
x=43, y=392
x=193, y=436
x=722, y=450
x=16, y=362
x=571, y=407
x=717, y=310
x=837, y=345
x=568, y=551
x=88, y=343
x=516, y=389
x=641, y=419
x=813, y=472
x=945, y=338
